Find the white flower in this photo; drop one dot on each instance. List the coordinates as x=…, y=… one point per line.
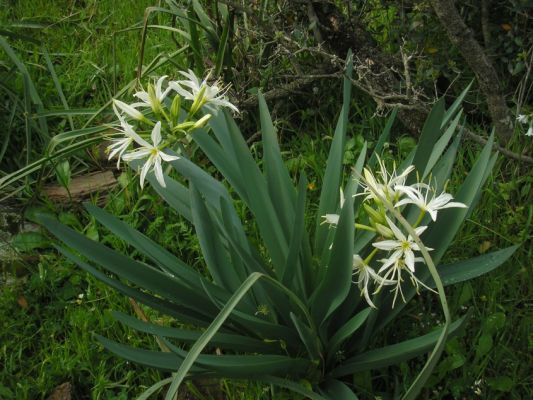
x=415, y=196
x=154, y=154
x=522, y=118
x=153, y=98
x=333, y=219
x=201, y=92
x=366, y=274
x=129, y=110
x=384, y=186
x=403, y=247
x=394, y=275
x=530, y=131
x=119, y=146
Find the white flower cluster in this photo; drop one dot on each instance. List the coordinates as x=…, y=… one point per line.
x=155, y=114
x=400, y=249
x=526, y=119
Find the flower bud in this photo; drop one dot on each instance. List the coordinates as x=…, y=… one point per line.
x=175, y=108
x=199, y=100
x=201, y=122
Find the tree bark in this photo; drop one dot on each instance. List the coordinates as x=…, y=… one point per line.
x=462, y=37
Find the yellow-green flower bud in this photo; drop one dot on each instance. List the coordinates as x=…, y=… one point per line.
x=201, y=122
x=199, y=100
x=384, y=231
x=154, y=101
x=175, y=108
x=374, y=215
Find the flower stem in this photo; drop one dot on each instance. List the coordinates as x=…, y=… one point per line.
x=420, y=217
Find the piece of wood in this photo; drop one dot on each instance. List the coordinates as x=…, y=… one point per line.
x=81, y=187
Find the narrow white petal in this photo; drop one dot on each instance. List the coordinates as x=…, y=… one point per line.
x=156, y=134
x=399, y=235
x=168, y=157
x=410, y=260
x=386, y=244
x=126, y=108
x=454, y=204
x=419, y=231
x=331, y=219
x=145, y=169
x=159, y=172
x=403, y=202
x=143, y=96
x=137, y=154
x=159, y=85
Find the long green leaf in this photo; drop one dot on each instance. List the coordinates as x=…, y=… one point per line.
x=136, y=272
x=441, y=234
x=292, y=266
x=213, y=250
x=455, y=106
x=382, y=139
x=206, y=337
x=441, y=145
x=158, y=254
x=308, y=337
x=429, y=135
x=338, y=277
x=222, y=47
x=222, y=340
x=293, y=386
x=345, y=332
x=336, y=390
x=179, y=312
x=393, y=354
x=280, y=185
x=461, y=271
x=329, y=195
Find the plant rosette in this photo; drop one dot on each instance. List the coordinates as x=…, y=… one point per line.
x=300, y=309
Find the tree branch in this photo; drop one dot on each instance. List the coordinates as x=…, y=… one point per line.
x=461, y=36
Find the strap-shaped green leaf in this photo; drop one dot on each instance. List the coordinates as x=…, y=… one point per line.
x=248, y=181
x=429, y=135
x=382, y=139
x=206, y=337
x=136, y=272
x=272, y=232
x=213, y=250
x=441, y=145
x=450, y=113
x=442, y=232
x=222, y=157
x=394, y=354
x=166, y=361
x=293, y=386
x=469, y=269
x=293, y=268
x=222, y=340
x=309, y=338
x=181, y=313
x=246, y=366
x=175, y=195
x=338, y=277
x=158, y=254
x=345, y=332
x=334, y=389
x=331, y=182
x=280, y=185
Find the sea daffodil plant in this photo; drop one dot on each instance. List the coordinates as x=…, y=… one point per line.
x=304, y=308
